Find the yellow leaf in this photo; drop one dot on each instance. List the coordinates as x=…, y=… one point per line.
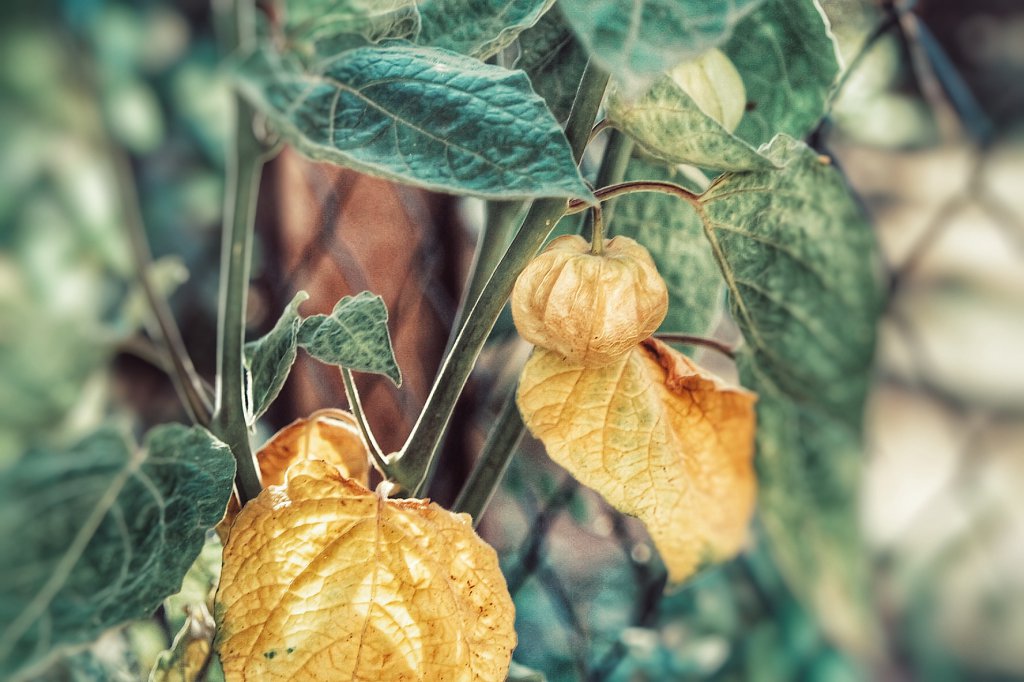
x=326, y=580
x=330, y=435
x=660, y=438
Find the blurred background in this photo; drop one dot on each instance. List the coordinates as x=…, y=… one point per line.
x=104, y=103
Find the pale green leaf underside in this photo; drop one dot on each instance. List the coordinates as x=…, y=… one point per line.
x=314, y=20
x=478, y=28
x=354, y=336
x=635, y=40
x=100, y=535
x=668, y=124
x=787, y=57
x=421, y=116
x=801, y=266
x=270, y=358
x=809, y=474
x=671, y=230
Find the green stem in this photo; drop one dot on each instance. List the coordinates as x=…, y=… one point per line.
x=493, y=462
x=413, y=462
x=613, y=166
x=356, y=405
x=230, y=424
x=597, y=232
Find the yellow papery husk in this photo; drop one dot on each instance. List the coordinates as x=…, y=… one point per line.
x=659, y=438
x=324, y=579
x=331, y=435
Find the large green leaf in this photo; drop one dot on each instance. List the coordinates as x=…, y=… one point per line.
x=419, y=115
x=373, y=19
x=801, y=266
x=671, y=231
x=354, y=335
x=100, y=535
x=635, y=40
x=479, y=28
x=554, y=60
x=809, y=477
x=788, y=60
x=270, y=358
x=667, y=123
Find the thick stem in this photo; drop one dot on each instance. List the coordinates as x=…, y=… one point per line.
x=229, y=419
x=414, y=460
x=495, y=457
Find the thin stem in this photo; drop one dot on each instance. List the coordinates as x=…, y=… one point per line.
x=605, y=193
x=495, y=457
x=229, y=420
x=597, y=232
x=356, y=405
x=690, y=340
x=599, y=128
x=187, y=382
x=413, y=462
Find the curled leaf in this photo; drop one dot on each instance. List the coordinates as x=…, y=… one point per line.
x=324, y=579
x=660, y=438
x=330, y=435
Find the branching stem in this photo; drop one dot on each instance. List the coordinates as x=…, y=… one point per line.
x=605, y=193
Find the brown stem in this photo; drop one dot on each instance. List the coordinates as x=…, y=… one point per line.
x=690, y=340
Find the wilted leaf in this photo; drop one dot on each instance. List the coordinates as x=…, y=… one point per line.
x=800, y=262
x=329, y=435
x=324, y=579
x=669, y=122
x=270, y=358
x=659, y=438
x=190, y=652
x=97, y=536
x=355, y=336
x=373, y=19
x=787, y=57
x=481, y=28
x=636, y=41
x=418, y=115
x=671, y=230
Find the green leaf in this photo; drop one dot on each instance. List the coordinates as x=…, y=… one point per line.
x=478, y=28
x=636, y=41
x=788, y=59
x=354, y=335
x=375, y=20
x=554, y=60
x=801, y=266
x=419, y=115
x=667, y=123
x=270, y=358
x=671, y=230
x=809, y=475
x=99, y=535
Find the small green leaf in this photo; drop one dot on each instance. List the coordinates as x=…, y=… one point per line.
x=787, y=57
x=671, y=230
x=270, y=358
x=809, y=474
x=636, y=41
x=418, y=115
x=667, y=123
x=99, y=535
x=478, y=28
x=315, y=20
x=554, y=60
x=801, y=266
x=354, y=335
